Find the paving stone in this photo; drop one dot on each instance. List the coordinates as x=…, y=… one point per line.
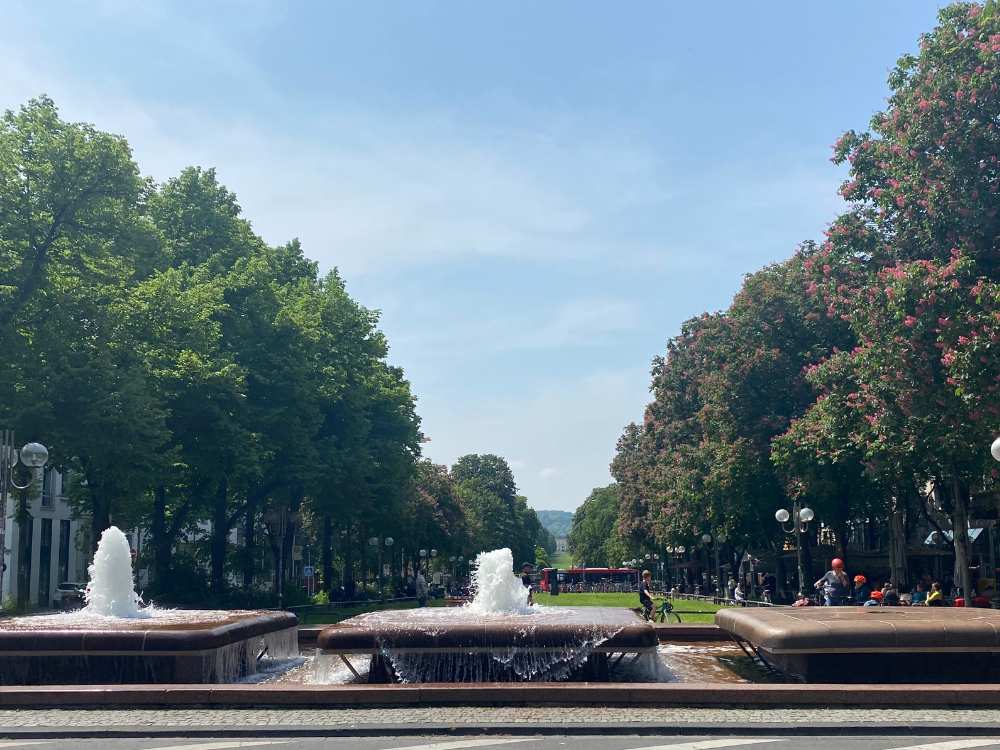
x=458, y=716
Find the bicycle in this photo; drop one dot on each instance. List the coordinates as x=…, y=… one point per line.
x=663, y=613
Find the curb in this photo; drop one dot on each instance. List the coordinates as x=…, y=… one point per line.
x=517, y=730
x=692, y=694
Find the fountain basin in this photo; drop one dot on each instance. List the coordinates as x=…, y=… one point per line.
x=872, y=644
x=462, y=645
x=172, y=646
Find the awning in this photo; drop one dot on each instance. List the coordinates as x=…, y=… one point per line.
x=950, y=536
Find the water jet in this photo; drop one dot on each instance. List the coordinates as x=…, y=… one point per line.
x=497, y=637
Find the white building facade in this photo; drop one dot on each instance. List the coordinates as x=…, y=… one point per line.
x=50, y=542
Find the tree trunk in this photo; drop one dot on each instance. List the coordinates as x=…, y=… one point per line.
x=220, y=537
x=897, y=546
x=161, y=541
x=349, y=587
x=327, y=554
x=100, y=518
x=249, y=544
x=843, y=532
x=960, y=529
x=780, y=574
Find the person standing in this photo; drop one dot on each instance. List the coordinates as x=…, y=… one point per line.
x=526, y=570
x=835, y=584
x=862, y=590
x=646, y=593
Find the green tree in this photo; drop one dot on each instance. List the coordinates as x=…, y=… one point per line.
x=912, y=266
x=593, y=539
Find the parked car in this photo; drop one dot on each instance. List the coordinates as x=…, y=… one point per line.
x=69, y=595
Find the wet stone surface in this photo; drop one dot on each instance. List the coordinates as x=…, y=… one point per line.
x=707, y=661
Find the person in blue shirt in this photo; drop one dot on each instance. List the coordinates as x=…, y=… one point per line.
x=862, y=589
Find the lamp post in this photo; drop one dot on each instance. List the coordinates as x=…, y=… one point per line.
x=32, y=457
x=800, y=518
x=378, y=544
x=279, y=520
x=708, y=540
x=720, y=540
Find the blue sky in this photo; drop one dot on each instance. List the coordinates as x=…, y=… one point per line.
x=536, y=195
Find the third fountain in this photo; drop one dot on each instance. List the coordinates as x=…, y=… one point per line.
x=497, y=637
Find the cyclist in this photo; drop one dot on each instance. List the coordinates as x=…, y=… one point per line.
x=646, y=593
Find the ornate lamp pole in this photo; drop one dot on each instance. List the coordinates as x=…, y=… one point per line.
x=377, y=544
x=800, y=518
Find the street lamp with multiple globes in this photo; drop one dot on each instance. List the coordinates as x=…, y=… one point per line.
x=378, y=544
x=719, y=539
x=32, y=457
x=800, y=518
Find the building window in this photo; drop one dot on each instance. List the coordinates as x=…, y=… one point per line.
x=48, y=487
x=45, y=564
x=64, y=551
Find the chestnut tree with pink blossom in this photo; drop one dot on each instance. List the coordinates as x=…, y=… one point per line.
x=913, y=269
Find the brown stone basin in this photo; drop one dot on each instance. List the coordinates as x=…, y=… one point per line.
x=500, y=647
x=872, y=644
x=174, y=646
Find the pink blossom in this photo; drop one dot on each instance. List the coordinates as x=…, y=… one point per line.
x=910, y=321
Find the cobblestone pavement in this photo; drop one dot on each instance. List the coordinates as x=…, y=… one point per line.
x=480, y=716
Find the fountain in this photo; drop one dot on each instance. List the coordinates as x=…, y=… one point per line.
x=871, y=644
x=497, y=637
x=114, y=639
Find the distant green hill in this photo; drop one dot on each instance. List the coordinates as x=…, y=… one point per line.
x=557, y=522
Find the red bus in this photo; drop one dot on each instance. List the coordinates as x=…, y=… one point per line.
x=589, y=578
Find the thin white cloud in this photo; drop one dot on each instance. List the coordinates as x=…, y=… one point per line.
x=569, y=425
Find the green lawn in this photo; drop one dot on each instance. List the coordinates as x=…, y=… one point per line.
x=690, y=611
x=330, y=614
x=699, y=611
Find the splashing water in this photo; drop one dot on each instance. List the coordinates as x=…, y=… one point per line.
x=498, y=589
x=111, y=592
